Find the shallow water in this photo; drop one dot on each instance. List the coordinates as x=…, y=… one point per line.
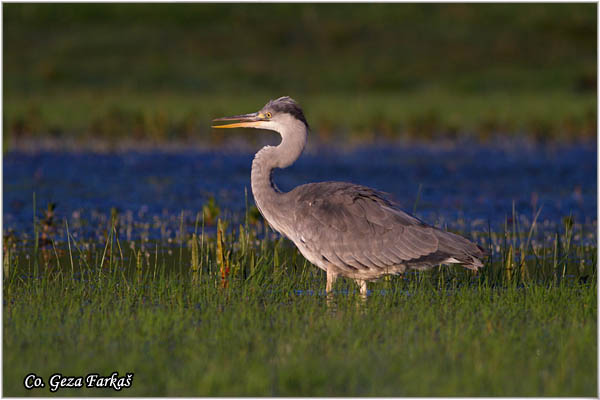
x=474, y=183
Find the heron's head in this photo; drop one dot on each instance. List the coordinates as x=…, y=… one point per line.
x=281, y=115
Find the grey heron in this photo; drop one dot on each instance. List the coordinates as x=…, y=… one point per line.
x=343, y=228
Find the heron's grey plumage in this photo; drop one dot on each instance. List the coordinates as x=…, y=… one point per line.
x=343, y=228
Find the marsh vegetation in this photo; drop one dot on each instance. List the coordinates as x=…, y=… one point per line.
x=160, y=72
x=226, y=307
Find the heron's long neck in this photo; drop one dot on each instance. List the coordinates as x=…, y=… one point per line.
x=266, y=194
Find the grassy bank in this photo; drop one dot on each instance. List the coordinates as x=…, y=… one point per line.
x=242, y=313
x=425, y=115
x=162, y=72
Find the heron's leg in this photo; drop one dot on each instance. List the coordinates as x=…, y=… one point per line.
x=362, y=285
x=331, y=277
x=331, y=305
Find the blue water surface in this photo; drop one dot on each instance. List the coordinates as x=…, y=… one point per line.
x=443, y=184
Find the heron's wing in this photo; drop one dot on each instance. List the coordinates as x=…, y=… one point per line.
x=359, y=228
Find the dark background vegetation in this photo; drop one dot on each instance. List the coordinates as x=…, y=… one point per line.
x=160, y=72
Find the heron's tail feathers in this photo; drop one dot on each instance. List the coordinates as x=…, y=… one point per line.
x=461, y=251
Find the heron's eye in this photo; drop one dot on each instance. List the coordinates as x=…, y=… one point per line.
x=268, y=115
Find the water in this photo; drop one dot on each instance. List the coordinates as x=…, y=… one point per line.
x=475, y=183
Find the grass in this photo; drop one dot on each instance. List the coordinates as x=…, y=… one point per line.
x=238, y=311
x=161, y=72
x=423, y=115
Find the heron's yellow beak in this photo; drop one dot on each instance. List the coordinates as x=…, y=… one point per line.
x=253, y=120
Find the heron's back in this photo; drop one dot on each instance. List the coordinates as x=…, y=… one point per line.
x=360, y=232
